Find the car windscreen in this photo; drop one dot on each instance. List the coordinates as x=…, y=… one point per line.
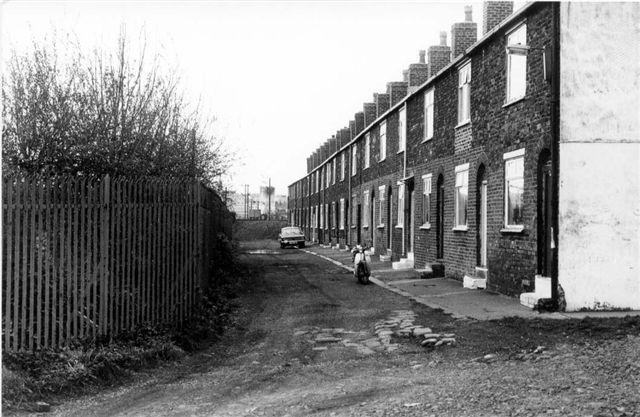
x=291, y=231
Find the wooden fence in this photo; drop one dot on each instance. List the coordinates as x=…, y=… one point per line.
x=86, y=256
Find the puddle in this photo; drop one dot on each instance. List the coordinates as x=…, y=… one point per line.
x=263, y=252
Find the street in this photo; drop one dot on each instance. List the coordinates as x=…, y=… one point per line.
x=309, y=340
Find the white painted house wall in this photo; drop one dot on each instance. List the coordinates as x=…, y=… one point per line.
x=599, y=198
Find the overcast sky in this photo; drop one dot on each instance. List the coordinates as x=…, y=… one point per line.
x=280, y=77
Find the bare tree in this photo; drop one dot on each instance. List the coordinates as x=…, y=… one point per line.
x=100, y=113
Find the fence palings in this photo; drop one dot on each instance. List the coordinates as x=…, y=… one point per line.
x=86, y=257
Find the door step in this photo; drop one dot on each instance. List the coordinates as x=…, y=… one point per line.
x=478, y=280
x=432, y=270
x=542, y=290
x=404, y=263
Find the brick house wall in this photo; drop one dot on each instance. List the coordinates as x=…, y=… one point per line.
x=494, y=129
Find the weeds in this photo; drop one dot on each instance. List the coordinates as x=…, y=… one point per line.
x=50, y=373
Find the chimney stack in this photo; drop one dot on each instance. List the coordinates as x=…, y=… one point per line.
x=382, y=103
x=494, y=12
x=359, y=118
x=352, y=129
x=396, y=91
x=422, y=57
x=308, y=164
x=418, y=73
x=439, y=55
x=463, y=34
x=369, y=113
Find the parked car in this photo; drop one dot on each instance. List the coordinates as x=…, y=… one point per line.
x=291, y=236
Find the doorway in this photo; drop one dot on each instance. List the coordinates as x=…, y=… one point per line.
x=481, y=218
x=359, y=224
x=372, y=221
x=546, y=243
x=389, y=226
x=440, y=218
x=411, y=219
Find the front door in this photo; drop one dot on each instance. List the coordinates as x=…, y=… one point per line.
x=482, y=225
x=389, y=227
x=440, y=219
x=411, y=223
x=372, y=220
x=546, y=243
x=359, y=224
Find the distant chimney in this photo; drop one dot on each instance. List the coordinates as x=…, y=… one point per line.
x=352, y=129
x=382, y=103
x=309, y=165
x=463, y=34
x=396, y=90
x=439, y=55
x=405, y=76
x=314, y=157
x=369, y=113
x=346, y=135
x=418, y=73
x=334, y=144
x=422, y=57
x=359, y=118
x=494, y=12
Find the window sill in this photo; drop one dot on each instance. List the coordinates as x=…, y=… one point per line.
x=399, y=226
x=381, y=226
x=342, y=228
x=399, y=152
x=365, y=168
x=461, y=229
x=426, y=226
x=462, y=124
x=353, y=227
x=514, y=101
x=513, y=230
x=382, y=160
x=427, y=140
x=366, y=226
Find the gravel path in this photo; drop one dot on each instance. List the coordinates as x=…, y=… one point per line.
x=311, y=341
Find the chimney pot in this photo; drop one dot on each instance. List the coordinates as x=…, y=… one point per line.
x=422, y=56
x=443, y=38
x=405, y=76
x=467, y=13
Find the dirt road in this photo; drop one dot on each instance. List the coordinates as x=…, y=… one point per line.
x=310, y=341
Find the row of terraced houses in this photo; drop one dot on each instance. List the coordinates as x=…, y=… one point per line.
x=510, y=162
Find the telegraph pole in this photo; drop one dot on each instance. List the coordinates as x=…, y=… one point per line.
x=269, y=194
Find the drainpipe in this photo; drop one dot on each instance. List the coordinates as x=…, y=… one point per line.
x=555, y=144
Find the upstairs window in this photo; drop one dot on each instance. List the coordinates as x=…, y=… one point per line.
x=328, y=169
x=461, y=196
x=426, y=200
x=354, y=159
x=517, y=64
x=402, y=129
x=343, y=166
x=428, y=115
x=342, y=214
x=514, y=189
x=335, y=162
x=367, y=150
x=383, y=141
x=464, y=94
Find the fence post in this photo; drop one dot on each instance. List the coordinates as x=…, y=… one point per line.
x=105, y=197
